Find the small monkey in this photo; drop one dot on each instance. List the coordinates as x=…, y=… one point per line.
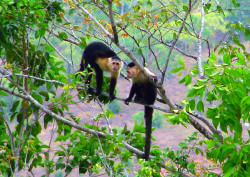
x=145, y=92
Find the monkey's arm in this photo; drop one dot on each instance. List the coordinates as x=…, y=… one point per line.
x=131, y=94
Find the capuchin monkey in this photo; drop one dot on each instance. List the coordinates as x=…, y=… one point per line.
x=145, y=92
x=101, y=58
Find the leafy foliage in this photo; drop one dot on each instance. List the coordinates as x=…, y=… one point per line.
x=227, y=86
x=36, y=87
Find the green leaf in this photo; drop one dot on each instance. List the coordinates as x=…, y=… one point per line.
x=220, y=10
x=60, y=166
x=175, y=70
x=212, y=57
x=188, y=80
x=235, y=3
x=192, y=104
x=245, y=108
x=174, y=36
x=241, y=60
x=211, y=96
x=200, y=106
x=2, y=103
x=229, y=172
x=212, y=112
x=194, y=72
x=2, y=93
x=185, y=7
x=37, y=97
x=45, y=94
x=49, y=48
x=192, y=93
x=139, y=127
x=207, y=7
x=227, y=59
x=15, y=105
x=182, y=80
x=83, y=166
x=36, y=129
x=62, y=35
x=181, y=62
x=83, y=43
x=47, y=118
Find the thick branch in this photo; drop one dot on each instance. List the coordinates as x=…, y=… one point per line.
x=201, y=129
x=209, y=125
x=74, y=125
x=116, y=39
x=56, y=116
x=172, y=106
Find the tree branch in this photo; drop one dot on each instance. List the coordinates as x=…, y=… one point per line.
x=209, y=125
x=116, y=39
x=170, y=45
x=58, y=52
x=199, y=41
x=172, y=106
x=72, y=124
x=175, y=41
x=57, y=117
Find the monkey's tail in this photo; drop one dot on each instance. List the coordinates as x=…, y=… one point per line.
x=148, y=124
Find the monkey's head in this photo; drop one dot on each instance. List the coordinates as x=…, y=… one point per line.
x=116, y=64
x=132, y=70
x=135, y=73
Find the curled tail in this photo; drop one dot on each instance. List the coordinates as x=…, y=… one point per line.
x=148, y=115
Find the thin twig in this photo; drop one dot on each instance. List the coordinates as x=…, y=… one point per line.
x=175, y=41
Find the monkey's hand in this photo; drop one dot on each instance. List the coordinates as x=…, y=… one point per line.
x=97, y=93
x=91, y=91
x=111, y=97
x=127, y=101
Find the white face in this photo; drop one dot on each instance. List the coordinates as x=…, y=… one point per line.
x=130, y=72
x=115, y=65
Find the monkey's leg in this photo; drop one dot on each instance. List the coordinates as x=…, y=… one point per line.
x=99, y=79
x=112, y=88
x=88, y=81
x=89, y=76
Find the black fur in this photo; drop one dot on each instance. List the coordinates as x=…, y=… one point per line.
x=131, y=64
x=145, y=92
x=93, y=51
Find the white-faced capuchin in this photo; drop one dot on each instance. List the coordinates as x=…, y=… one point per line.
x=101, y=58
x=145, y=92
